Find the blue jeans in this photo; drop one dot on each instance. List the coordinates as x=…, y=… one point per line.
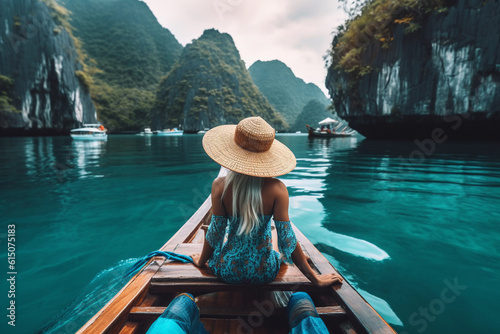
x=183, y=317
x=303, y=317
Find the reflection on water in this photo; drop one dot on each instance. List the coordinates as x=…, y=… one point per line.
x=308, y=186
x=85, y=157
x=428, y=221
x=395, y=231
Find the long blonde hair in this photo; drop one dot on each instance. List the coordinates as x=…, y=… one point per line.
x=247, y=199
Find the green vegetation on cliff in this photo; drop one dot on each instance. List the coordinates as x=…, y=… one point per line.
x=209, y=86
x=128, y=53
x=375, y=25
x=6, y=95
x=312, y=113
x=62, y=17
x=286, y=93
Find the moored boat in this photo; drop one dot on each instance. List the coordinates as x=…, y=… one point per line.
x=170, y=132
x=90, y=132
x=203, y=131
x=330, y=128
x=146, y=132
x=230, y=308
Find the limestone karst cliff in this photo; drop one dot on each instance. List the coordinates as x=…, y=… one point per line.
x=40, y=58
x=287, y=93
x=132, y=52
x=421, y=69
x=210, y=86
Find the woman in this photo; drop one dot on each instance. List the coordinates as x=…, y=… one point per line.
x=238, y=245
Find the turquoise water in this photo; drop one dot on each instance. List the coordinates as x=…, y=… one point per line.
x=420, y=242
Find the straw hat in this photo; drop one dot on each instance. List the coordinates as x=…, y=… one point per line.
x=249, y=148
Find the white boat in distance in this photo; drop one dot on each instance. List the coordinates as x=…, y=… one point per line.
x=146, y=132
x=89, y=132
x=170, y=132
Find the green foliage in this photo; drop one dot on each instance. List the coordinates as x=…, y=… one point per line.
x=85, y=79
x=6, y=95
x=62, y=17
x=59, y=13
x=286, y=93
x=131, y=48
x=375, y=25
x=124, y=109
x=128, y=53
x=210, y=84
x=412, y=27
x=17, y=23
x=312, y=113
x=6, y=84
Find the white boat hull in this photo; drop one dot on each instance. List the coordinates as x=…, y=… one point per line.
x=93, y=136
x=172, y=133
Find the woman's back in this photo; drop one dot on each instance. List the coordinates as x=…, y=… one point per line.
x=274, y=198
x=243, y=258
x=246, y=255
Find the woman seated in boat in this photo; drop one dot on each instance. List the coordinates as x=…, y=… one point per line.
x=238, y=245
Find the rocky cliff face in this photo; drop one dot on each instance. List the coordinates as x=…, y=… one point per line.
x=210, y=86
x=131, y=51
x=446, y=75
x=40, y=56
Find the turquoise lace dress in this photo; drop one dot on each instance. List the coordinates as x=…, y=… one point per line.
x=248, y=259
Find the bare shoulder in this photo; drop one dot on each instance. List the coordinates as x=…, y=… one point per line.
x=218, y=185
x=275, y=186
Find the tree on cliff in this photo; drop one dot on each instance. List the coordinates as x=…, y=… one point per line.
x=6, y=92
x=210, y=86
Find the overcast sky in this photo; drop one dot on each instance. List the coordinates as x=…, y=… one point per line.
x=297, y=32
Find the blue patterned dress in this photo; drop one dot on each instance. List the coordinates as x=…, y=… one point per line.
x=248, y=259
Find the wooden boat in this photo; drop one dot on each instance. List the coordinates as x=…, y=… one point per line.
x=227, y=308
x=330, y=128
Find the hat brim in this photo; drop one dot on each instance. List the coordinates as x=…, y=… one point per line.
x=219, y=144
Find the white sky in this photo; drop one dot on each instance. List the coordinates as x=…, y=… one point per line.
x=297, y=32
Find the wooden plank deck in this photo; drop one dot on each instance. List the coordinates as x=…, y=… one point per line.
x=113, y=316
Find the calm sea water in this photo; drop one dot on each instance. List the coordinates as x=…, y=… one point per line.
x=419, y=240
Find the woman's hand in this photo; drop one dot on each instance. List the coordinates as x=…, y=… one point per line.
x=327, y=279
x=196, y=260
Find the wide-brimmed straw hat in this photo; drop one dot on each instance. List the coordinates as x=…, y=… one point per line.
x=249, y=148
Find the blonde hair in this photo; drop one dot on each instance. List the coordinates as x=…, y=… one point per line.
x=247, y=199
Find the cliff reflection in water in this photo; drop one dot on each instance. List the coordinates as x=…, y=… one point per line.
x=437, y=219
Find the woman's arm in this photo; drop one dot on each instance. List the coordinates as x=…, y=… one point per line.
x=299, y=258
x=199, y=260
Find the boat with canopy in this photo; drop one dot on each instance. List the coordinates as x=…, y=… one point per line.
x=330, y=128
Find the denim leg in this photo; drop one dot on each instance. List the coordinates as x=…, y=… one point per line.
x=303, y=317
x=181, y=317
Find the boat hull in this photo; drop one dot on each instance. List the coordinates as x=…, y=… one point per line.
x=329, y=135
x=180, y=133
x=95, y=136
x=231, y=308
